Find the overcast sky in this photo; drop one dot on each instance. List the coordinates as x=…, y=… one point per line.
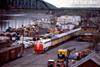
x=58, y=3
x=71, y=3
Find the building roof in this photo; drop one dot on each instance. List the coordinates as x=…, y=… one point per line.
x=93, y=56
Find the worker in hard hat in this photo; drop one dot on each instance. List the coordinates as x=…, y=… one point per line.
x=61, y=54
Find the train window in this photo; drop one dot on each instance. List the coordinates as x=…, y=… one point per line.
x=37, y=38
x=49, y=36
x=34, y=39
x=41, y=37
x=44, y=37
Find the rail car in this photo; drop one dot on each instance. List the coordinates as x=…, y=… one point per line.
x=87, y=34
x=42, y=45
x=9, y=50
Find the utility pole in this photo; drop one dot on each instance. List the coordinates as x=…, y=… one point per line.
x=36, y=4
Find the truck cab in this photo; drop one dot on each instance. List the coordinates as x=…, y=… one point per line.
x=51, y=63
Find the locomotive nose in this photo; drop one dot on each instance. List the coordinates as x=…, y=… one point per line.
x=38, y=47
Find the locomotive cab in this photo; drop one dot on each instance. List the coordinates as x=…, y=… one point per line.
x=39, y=46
